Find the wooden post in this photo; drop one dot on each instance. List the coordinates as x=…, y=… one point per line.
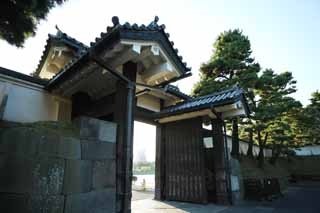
x=235, y=138
x=123, y=116
x=160, y=163
x=220, y=162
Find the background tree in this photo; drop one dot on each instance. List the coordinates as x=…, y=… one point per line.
x=19, y=18
x=309, y=121
x=272, y=104
x=231, y=63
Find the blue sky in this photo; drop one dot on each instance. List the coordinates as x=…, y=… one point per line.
x=284, y=35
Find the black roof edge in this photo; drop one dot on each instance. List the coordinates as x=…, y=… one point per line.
x=185, y=75
x=83, y=57
x=21, y=76
x=205, y=106
x=60, y=37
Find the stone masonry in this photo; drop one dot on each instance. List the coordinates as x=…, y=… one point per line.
x=52, y=173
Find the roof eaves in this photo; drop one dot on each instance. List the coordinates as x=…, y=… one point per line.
x=209, y=101
x=21, y=76
x=117, y=28
x=62, y=37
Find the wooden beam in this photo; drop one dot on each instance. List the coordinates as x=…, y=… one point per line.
x=128, y=53
x=157, y=71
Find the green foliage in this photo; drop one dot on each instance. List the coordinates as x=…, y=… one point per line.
x=230, y=64
x=144, y=168
x=308, y=121
x=19, y=18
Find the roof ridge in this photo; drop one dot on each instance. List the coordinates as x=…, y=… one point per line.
x=233, y=88
x=153, y=26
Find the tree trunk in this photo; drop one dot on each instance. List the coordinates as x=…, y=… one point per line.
x=250, y=144
x=261, y=148
x=235, y=138
x=276, y=153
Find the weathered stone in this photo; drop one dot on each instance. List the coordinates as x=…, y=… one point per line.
x=15, y=203
x=94, y=129
x=93, y=202
x=47, y=204
x=47, y=176
x=19, y=141
x=104, y=174
x=78, y=176
x=15, y=174
x=236, y=198
x=235, y=186
x=91, y=150
x=23, y=174
x=63, y=147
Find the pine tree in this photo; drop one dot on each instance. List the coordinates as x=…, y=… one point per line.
x=19, y=18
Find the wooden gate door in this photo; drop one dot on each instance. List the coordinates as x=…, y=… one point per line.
x=184, y=161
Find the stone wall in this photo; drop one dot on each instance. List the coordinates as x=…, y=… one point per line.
x=236, y=181
x=50, y=172
x=247, y=168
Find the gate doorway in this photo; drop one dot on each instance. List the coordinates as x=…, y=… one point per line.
x=144, y=141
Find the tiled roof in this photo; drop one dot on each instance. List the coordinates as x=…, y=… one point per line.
x=176, y=91
x=152, y=27
x=203, y=102
x=60, y=37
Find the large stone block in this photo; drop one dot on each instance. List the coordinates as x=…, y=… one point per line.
x=78, y=176
x=93, y=202
x=15, y=203
x=59, y=146
x=94, y=129
x=91, y=150
x=47, y=176
x=104, y=174
x=15, y=174
x=47, y=203
x=23, y=174
x=19, y=141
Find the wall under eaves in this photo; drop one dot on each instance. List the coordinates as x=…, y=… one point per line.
x=23, y=101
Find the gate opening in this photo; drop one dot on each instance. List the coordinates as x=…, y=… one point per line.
x=144, y=150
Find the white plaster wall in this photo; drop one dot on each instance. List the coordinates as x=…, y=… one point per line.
x=149, y=102
x=243, y=147
x=28, y=102
x=308, y=150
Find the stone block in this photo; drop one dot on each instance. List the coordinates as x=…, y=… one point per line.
x=236, y=198
x=19, y=141
x=15, y=203
x=78, y=176
x=47, y=176
x=235, y=186
x=47, y=203
x=94, y=129
x=23, y=174
x=91, y=150
x=58, y=146
x=93, y=202
x=104, y=174
x=15, y=174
